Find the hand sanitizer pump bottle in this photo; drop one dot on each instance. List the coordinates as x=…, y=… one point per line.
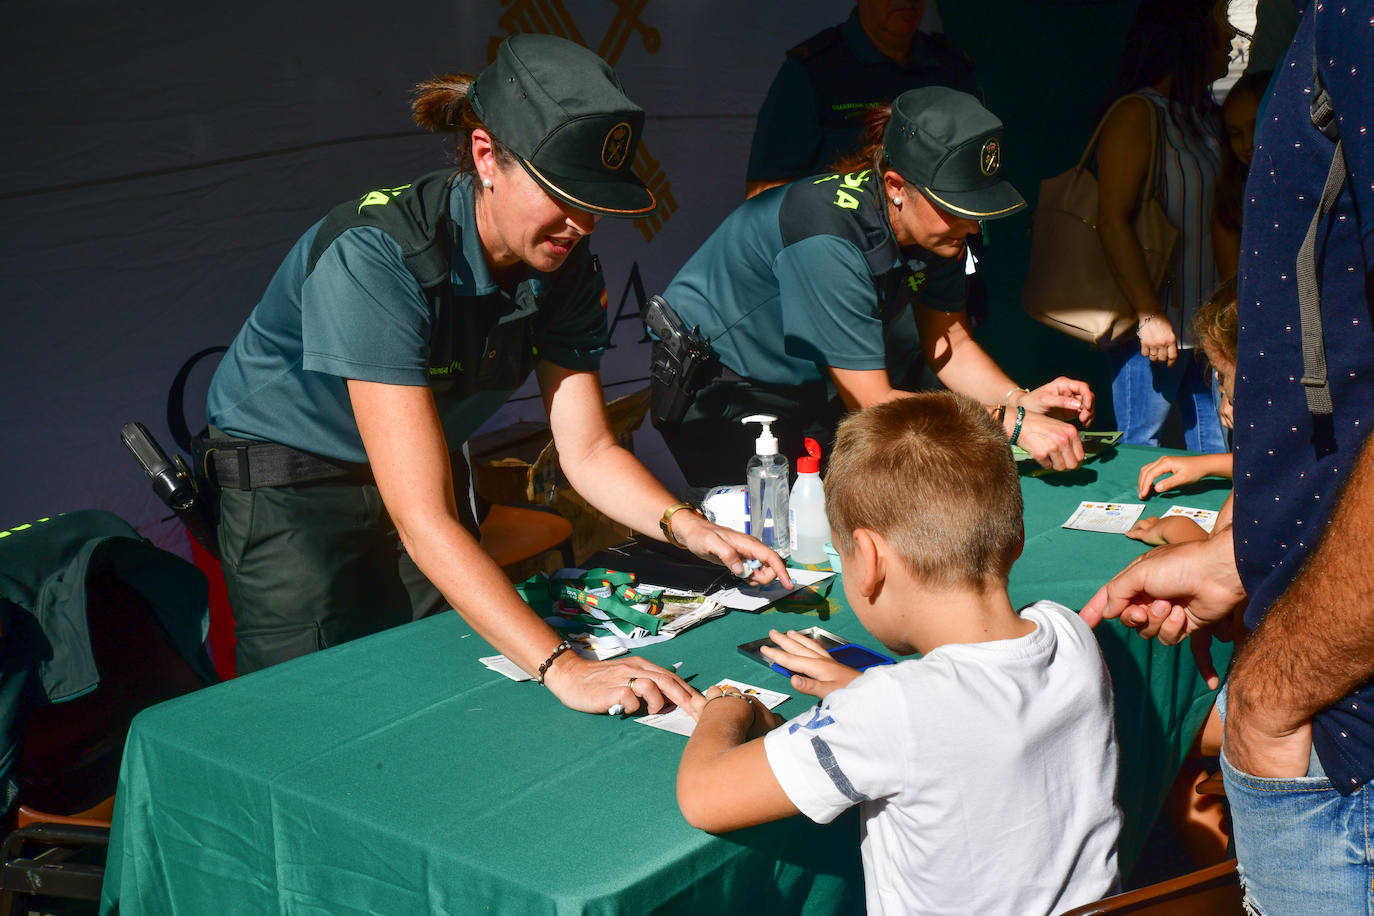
x=767, y=475
x=808, y=525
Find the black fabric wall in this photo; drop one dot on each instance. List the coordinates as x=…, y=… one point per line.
x=160, y=158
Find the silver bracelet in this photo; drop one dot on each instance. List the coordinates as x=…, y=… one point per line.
x=743, y=696
x=1140, y=325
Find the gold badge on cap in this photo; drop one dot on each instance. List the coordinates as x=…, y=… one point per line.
x=990, y=159
x=616, y=147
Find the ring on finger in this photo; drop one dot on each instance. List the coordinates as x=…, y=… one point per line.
x=631, y=683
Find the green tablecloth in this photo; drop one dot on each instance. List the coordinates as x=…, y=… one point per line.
x=396, y=774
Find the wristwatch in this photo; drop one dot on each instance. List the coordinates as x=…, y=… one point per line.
x=666, y=523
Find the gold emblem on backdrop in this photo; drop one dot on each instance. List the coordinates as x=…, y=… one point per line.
x=551, y=17
x=990, y=159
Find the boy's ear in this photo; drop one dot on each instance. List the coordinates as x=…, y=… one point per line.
x=869, y=550
x=1020, y=542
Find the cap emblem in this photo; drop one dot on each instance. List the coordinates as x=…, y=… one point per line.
x=990, y=159
x=616, y=147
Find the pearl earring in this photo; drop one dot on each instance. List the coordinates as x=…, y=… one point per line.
x=486, y=183
x=896, y=201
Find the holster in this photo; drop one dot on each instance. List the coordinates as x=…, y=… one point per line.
x=682, y=363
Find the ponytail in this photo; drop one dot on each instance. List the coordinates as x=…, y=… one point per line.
x=871, y=155
x=441, y=104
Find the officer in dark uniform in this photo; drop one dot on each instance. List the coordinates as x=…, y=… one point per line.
x=799, y=285
x=394, y=328
x=815, y=110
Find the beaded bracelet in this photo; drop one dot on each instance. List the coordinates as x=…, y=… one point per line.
x=1016, y=431
x=564, y=646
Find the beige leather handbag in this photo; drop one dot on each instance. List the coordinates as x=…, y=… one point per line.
x=1069, y=285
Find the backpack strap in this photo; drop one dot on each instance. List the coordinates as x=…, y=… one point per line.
x=1314, y=379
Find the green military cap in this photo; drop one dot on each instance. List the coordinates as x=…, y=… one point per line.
x=562, y=111
x=948, y=145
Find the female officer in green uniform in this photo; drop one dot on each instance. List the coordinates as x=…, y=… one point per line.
x=795, y=288
x=393, y=329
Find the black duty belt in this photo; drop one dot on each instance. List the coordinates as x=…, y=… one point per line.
x=246, y=464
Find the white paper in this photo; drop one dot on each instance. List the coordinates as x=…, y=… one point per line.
x=754, y=597
x=1206, y=518
x=680, y=722
x=1113, y=518
x=502, y=665
x=596, y=646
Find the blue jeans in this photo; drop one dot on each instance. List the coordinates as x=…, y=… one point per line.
x=1303, y=848
x=1143, y=393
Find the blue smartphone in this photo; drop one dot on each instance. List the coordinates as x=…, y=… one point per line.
x=852, y=654
x=859, y=657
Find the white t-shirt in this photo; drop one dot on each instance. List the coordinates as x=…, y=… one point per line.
x=986, y=773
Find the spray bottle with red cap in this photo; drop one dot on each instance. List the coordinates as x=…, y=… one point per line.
x=807, y=523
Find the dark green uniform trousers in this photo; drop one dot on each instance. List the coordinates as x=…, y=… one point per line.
x=314, y=565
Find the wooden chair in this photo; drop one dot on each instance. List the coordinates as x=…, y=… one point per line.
x=1213, y=891
x=553, y=517
x=55, y=855
x=66, y=738
x=514, y=534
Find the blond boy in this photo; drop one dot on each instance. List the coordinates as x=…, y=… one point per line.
x=986, y=770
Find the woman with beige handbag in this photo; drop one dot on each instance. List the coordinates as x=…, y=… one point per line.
x=1165, y=133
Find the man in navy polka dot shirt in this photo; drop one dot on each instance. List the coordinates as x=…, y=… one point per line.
x=1298, y=751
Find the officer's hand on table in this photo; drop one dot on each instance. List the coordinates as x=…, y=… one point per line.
x=631, y=682
x=1063, y=398
x=1052, y=443
x=815, y=671
x=729, y=548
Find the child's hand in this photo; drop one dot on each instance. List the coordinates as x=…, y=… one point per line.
x=1184, y=470
x=1147, y=530
x=817, y=673
x=1172, y=530
x=762, y=719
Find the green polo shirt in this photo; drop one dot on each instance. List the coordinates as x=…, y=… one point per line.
x=806, y=276
x=816, y=107
x=360, y=314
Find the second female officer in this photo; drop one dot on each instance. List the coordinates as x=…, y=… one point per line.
x=795, y=288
